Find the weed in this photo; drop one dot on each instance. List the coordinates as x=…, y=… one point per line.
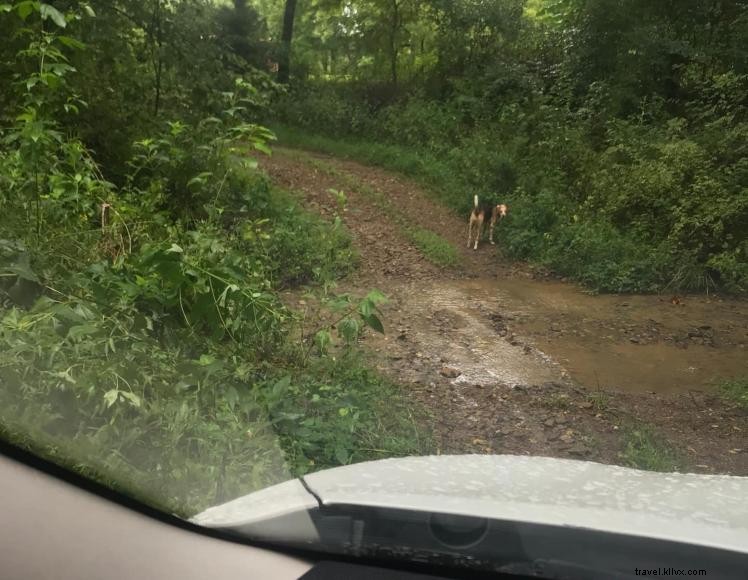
x=558, y=401
x=600, y=400
x=643, y=448
x=436, y=249
x=736, y=391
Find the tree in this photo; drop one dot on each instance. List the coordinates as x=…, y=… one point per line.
x=284, y=64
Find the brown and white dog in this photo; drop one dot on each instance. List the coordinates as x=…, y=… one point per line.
x=478, y=216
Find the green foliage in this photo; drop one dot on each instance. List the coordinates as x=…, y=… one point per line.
x=143, y=341
x=652, y=211
x=340, y=114
x=616, y=131
x=645, y=449
x=436, y=249
x=294, y=260
x=736, y=391
x=340, y=414
x=110, y=389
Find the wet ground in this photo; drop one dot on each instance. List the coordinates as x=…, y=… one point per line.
x=629, y=343
x=509, y=361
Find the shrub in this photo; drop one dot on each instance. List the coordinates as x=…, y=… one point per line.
x=142, y=337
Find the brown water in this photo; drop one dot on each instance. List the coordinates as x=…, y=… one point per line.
x=631, y=343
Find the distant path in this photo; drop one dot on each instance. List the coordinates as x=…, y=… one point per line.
x=508, y=363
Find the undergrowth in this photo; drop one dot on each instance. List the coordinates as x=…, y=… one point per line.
x=143, y=341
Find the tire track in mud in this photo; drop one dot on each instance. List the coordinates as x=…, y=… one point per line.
x=472, y=355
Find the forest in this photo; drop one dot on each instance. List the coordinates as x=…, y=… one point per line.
x=144, y=254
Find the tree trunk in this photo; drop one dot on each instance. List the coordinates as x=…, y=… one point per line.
x=158, y=64
x=395, y=27
x=284, y=65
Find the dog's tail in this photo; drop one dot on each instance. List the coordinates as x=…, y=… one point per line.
x=475, y=201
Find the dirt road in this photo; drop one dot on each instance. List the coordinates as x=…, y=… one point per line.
x=509, y=361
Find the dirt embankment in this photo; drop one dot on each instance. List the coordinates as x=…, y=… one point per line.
x=507, y=361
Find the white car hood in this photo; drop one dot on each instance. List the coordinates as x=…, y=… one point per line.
x=707, y=510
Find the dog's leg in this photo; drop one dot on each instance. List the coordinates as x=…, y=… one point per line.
x=473, y=218
x=493, y=223
x=480, y=230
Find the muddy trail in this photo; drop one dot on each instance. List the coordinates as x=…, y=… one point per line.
x=507, y=360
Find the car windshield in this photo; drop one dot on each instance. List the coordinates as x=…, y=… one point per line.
x=242, y=241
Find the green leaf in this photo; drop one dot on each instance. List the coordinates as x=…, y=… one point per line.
x=71, y=42
x=366, y=307
x=282, y=385
x=349, y=329
x=175, y=249
x=82, y=330
x=110, y=397
x=89, y=10
x=376, y=297
x=341, y=455
x=372, y=321
x=5, y=7
x=132, y=397
x=22, y=269
x=25, y=8
x=199, y=179
x=48, y=11
x=232, y=397
x=206, y=360
x=339, y=303
x=66, y=376
x=262, y=147
x=322, y=339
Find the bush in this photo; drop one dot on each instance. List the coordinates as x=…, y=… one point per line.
x=143, y=341
x=296, y=259
x=418, y=123
x=315, y=107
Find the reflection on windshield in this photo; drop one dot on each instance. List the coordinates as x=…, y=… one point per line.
x=233, y=236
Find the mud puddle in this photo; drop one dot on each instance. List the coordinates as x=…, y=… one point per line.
x=627, y=343
x=462, y=333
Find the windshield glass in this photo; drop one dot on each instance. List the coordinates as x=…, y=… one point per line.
x=244, y=241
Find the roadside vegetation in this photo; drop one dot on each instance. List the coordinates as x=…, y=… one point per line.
x=143, y=255
x=142, y=337
x=736, y=391
x=644, y=448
